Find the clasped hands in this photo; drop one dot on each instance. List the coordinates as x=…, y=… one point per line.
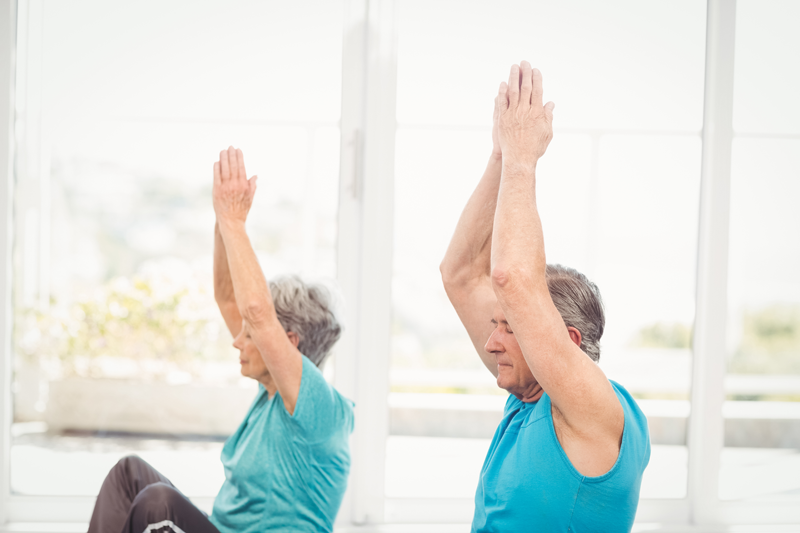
x=522, y=127
x=233, y=193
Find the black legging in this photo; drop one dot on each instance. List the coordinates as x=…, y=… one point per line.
x=136, y=498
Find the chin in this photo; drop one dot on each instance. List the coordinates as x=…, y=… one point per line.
x=502, y=383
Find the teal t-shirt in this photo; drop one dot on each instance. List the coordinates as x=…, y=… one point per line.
x=528, y=483
x=287, y=472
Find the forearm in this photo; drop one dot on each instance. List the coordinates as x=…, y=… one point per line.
x=468, y=255
x=517, y=255
x=250, y=288
x=223, y=287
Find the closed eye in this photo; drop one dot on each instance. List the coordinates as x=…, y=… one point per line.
x=508, y=329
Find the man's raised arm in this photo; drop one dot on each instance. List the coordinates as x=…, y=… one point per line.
x=466, y=265
x=233, y=196
x=578, y=389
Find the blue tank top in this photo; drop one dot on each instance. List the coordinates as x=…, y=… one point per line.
x=527, y=483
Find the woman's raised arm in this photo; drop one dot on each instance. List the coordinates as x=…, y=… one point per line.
x=233, y=196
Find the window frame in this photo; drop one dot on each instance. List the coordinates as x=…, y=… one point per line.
x=8, y=23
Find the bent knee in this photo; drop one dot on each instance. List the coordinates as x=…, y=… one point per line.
x=161, y=493
x=129, y=461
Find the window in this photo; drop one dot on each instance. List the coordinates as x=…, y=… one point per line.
x=761, y=459
x=618, y=192
x=118, y=345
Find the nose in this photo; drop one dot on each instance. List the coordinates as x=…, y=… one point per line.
x=237, y=342
x=493, y=343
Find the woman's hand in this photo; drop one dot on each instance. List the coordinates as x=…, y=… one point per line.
x=233, y=193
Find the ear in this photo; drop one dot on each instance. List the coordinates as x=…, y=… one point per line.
x=575, y=335
x=295, y=339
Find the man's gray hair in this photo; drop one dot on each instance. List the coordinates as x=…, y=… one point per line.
x=579, y=302
x=310, y=311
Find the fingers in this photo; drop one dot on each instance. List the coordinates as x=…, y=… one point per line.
x=233, y=164
x=513, y=86
x=240, y=163
x=230, y=166
x=526, y=84
x=536, y=95
x=252, y=184
x=548, y=111
x=501, y=100
x=225, y=173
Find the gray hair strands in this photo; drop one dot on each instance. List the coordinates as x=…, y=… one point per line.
x=310, y=311
x=580, y=305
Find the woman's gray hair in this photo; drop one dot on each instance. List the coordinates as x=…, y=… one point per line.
x=310, y=311
x=579, y=302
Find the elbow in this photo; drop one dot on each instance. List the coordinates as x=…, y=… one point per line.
x=459, y=273
x=223, y=297
x=507, y=280
x=218, y=296
x=454, y=280
x=256, y=312
x=449, y=277
x=501, y=278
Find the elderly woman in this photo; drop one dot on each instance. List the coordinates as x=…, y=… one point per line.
x=286, y=466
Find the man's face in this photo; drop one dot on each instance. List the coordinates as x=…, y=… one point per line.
x=513, y=372
x=249, y=357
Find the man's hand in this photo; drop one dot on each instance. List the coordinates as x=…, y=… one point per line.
x=525, y=126
x=496, y=151
x=233, y=192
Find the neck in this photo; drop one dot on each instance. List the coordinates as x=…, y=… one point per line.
x=530, y=393
x=269, y=384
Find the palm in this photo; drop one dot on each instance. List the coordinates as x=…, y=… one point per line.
x=233, y=192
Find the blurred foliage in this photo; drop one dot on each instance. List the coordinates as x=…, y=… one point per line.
x=672, y=335
x=770, y=341
x=639, y=395
x=763, y=397
x=131, y=328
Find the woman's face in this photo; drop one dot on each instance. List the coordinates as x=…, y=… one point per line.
x=252, y=364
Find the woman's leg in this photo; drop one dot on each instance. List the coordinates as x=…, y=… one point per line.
x=161, y=508
x=122, y=485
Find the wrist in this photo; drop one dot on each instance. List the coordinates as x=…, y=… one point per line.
x=519, y=166
x=225, y=225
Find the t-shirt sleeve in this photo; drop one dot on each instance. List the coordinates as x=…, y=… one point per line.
x=320, y=411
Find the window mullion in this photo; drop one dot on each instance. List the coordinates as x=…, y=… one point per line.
x=8, y=23
x=706, y=424
x=364, y=264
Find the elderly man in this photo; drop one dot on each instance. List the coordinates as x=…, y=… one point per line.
x=571, y=449
x=286, y=466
